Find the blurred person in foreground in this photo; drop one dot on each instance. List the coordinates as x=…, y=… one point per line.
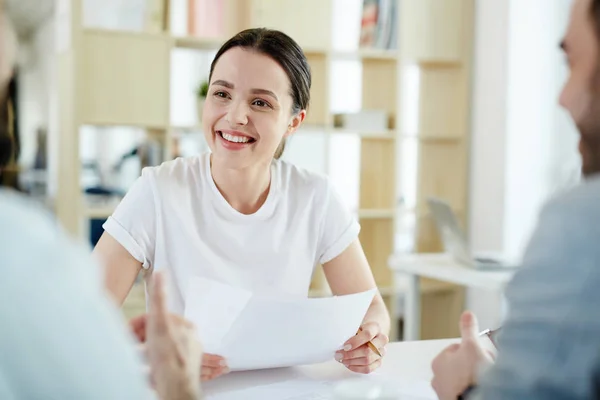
x=61, y=336
x=549, y=346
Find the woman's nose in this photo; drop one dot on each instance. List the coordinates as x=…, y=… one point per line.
x=237, y=113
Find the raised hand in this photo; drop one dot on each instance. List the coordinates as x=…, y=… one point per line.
x=455, y=368
x=172, y=349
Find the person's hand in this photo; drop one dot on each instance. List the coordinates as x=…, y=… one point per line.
x=172, y=349
x=357, y=356
x=456, y=367
x=213, y=365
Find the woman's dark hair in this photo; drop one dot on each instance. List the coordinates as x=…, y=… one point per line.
x=596, y=15
x=7, y=144
x=286, y=52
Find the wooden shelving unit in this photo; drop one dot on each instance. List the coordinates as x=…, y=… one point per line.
x=123, y=79
x=438, y=38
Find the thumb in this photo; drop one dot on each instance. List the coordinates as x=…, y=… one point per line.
x=157, y=315
x=469, y=327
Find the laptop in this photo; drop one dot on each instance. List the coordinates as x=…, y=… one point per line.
x=455, y=241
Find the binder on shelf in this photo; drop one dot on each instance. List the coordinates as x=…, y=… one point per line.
x=379, y=25
x=206, y=18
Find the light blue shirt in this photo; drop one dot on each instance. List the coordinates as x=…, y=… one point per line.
x=549, y=347
x=60, y=336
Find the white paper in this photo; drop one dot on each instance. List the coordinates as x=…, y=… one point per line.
x=326, y=390
x=214, y=307
x=257, y=332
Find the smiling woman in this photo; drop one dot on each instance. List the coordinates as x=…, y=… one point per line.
x=238, y=214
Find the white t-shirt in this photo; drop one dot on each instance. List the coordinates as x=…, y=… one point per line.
x=174, y=218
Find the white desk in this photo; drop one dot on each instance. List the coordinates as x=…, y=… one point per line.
x=405, y=361
x=441, y=267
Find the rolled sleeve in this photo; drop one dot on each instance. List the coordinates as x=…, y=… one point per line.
x=122, y=235
x=133, y=223
x=339, y=228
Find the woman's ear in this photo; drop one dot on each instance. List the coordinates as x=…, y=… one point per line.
x=295, y=123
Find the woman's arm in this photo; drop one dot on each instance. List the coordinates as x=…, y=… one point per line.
x=350, y=273
x=120, y=267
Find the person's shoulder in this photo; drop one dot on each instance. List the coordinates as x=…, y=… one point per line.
x=31, y=237
x=302, y=180
x=568, y=225
x=178, y=170
x=18, y=213
x=580, y=203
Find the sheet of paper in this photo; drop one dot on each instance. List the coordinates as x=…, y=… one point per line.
x=214, y=307
x=254, y=332
x=324, y=390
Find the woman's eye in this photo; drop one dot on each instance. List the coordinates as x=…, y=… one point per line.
x=261, y=103
x=220, y=94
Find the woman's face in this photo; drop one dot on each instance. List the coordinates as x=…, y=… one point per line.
x=248, y=109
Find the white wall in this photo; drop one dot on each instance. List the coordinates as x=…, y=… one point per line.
x=521, y=139
x=488, y=150
x=533, y=89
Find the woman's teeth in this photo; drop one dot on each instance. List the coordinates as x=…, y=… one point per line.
x=234, y=139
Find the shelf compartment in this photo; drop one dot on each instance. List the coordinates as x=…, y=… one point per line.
x=309, y=23
x=381, y=91
x=377, y=174
x=318, y=111
x=444, y=103
x=435, y=30
x=443, y=173
x=124, y=79
x=377, y=237
x=198, y=43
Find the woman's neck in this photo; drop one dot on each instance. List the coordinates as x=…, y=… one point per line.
x=245, y=189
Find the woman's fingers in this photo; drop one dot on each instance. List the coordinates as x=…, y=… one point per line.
x=358, y=356
x=380, y=341
x=362, y=361
x=365, y=351
x=365, y=369
x=209, y=373
x=213, y=360
x=213, y=366
x=362, y=352
x=137, y=325
x=366, y=333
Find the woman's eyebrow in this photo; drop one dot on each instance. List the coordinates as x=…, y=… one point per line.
x=265, y=91
x=226, y=84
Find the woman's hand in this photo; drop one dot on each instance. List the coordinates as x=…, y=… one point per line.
x=213, y=366
x=357, y=356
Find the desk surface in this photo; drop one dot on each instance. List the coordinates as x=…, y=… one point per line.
x=442, y=267
x=406, y=361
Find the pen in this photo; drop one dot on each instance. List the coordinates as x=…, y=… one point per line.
x=490, y=333
x=372, y=346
